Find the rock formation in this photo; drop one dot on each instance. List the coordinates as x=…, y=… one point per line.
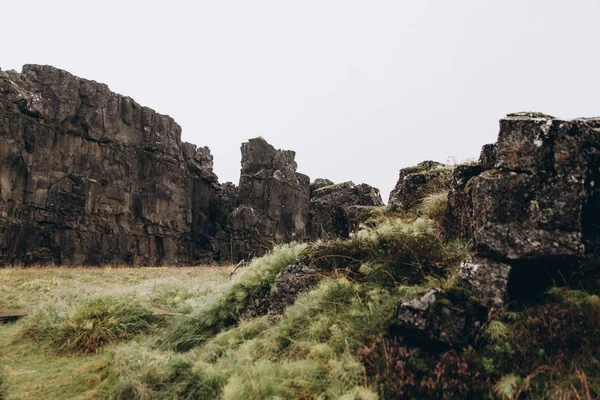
x=337, y=210
x=531, y=206
x=273, y=200
x=415, y=183
x=88, y=176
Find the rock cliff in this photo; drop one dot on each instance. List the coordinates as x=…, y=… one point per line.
x=88, y=176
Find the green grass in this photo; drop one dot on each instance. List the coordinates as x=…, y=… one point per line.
x=223, y=310
x=180, y=333
x=90, y=325
x=62, y=301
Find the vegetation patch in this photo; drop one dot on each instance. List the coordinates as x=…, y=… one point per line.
x=90, y=325
x=223, y=310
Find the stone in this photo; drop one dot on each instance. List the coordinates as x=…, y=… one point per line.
x=298, y=277
x=443, y=320
x=88, y=176
x=485, y=279
x=539, y=203
x=416, y=183
x=273, y=201
x=458, y=219
x=338, y=209
x=318, y=184
x=487, y=157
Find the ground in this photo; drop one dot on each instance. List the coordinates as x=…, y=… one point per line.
x=33, y=370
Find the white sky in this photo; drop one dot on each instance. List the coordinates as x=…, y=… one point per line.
x=358, y=89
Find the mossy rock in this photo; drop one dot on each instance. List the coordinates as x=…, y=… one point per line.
x=335, y=186
x=528, y=115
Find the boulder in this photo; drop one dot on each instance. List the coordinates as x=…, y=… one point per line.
x=338, y=209
x=290, y=282
x=458, y=219
x=416, y=183
x=487, y=280
x=540, y=202
x=443, y=320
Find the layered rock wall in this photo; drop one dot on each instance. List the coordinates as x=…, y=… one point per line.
x=273, y=201
x=88, y=176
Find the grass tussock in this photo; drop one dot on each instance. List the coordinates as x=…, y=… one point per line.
x=89, y=326
x=393, y=251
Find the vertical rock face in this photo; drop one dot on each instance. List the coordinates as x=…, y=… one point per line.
x=540, y=202
x=88, y=176
x=532, y=206
x=273, y=200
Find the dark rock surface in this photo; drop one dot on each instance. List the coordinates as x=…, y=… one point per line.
x=441, y=319
x=296, y=278
x=273, y=201
x=458, y=221
x=541, y=201
x=338, y=209
x=531, y=206
x=88, y=176
x=486, y=279
x=416, y=183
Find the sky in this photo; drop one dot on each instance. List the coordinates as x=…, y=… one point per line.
x=358, y=88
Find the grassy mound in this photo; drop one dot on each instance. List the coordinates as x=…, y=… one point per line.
x=223, y=310
x=90, y=325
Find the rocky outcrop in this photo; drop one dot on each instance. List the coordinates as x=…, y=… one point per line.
x=533, y=206
x=415, y=183
x=458, y=218
x=88, y=176
x=445, y=320
x=273, y=201
x=298, y=277
x=338, y=209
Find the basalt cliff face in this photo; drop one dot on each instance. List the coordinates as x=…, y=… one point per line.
x=90, y=177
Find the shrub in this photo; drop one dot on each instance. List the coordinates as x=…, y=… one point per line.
x=89, y=326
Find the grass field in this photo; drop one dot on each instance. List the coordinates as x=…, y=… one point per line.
x=31, y=370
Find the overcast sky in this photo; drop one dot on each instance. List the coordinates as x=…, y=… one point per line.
x=359, y=89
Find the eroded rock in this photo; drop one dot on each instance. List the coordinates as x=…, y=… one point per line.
x=290, y=282
x=273, y=201
x=416, y=183
x=487, y=280
x=88, y=176
x=338, y=209
x=447, y=320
